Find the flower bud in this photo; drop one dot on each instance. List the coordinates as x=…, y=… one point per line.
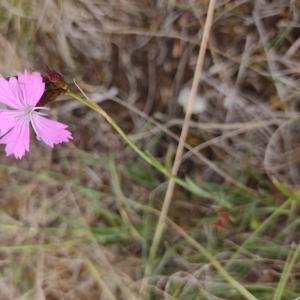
x=55, y=86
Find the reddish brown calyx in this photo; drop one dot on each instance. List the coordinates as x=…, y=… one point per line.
x=55, y=85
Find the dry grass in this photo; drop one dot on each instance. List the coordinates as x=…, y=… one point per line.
x=77, y=222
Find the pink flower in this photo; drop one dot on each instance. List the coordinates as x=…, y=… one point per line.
x=20, y=95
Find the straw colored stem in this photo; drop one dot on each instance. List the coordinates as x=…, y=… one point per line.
x=177, y=161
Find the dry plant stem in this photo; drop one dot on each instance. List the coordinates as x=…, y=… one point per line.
x=98, y=278
x=177, y=161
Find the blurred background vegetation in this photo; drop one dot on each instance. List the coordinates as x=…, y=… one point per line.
x=76, y=222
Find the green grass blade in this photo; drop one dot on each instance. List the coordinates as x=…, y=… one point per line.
x=287, y=270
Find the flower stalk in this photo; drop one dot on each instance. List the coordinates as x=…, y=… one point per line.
x=145, y=156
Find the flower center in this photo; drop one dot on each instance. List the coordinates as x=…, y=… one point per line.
x=29, y=111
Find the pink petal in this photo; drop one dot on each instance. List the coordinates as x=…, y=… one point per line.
x=8, y=120
x=32, y=87
x=17, y=139
x=49, y=131
x=16, y=91
x=7, y=95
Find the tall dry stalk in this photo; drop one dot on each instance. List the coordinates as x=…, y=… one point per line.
x=177, y=161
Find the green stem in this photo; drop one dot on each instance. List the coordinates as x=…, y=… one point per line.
x=150, y=159
x=146, y=156
x=286, y=273
x=157, y=165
